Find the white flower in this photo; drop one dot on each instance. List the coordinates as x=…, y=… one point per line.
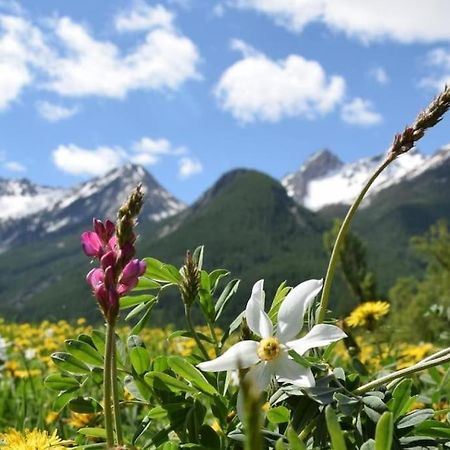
x=269, y=358
x=4, y=344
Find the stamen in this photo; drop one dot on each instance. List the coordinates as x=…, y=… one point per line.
x=269, y=349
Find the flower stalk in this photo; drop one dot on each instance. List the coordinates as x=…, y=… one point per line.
x=402, y=143
x=113, y=245
x=402, y=373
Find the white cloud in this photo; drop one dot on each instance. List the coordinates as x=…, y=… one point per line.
x=360, y=112
x=400, y=20
x=80, y=161
x=163, y=61
x=14, y=166
x=438, y=60
x=379, y=75
x=143, y=17
x=188, y=167
x=148, y=151
x=62, y=56
x=55, y=113
x=20, y=44
x=258, y=88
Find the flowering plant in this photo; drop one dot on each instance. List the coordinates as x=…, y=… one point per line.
x=294, y=390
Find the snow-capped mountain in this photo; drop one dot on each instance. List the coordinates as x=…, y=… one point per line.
x=324, y=180
x=31, y=212
x=21, y=198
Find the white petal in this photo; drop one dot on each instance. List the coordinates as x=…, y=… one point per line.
x=319, y=336
x=294, y=307
x=257, y=320
x=261, y=374
x=240, y=356
x=291, y=372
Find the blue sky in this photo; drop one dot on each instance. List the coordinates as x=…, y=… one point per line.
x=193, y=88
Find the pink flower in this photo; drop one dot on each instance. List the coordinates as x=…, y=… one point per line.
x=130, y=275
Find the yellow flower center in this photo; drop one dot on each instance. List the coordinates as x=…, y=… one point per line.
x=268, y=349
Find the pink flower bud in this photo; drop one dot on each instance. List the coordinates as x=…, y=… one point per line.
x=108, y=260
x=95, y=277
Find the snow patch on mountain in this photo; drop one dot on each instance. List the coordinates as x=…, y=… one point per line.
x=21, y=198
x=324, y=180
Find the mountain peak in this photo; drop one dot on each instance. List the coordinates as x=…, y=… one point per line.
x=321, y=163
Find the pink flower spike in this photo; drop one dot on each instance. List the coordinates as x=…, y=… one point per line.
x=110, y=229
x=109, y=277
x=91, y=244
x=95, y=277
x=132, y=270
x=108, y=260
x=99, y=228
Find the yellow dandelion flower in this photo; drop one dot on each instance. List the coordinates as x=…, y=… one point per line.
x=78, y=420
x=412, y=354
x=51, y=417
x=30, y=440
x=366, y=314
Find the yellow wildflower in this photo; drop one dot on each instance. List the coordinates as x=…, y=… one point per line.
x=30, y=440
x=412, y=354
x=366, y=314
x=78, y=420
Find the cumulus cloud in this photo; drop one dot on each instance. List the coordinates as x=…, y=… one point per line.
x=163, y=61
x=366, y=20
x=438, y=60
x=21, y=44
x=75, y=160
x=360, y=112
x=64, y=57
x=55, y=113
x=14, y=166
x=188, y=167
x=143, y=17
x=148, y=151
x=379, y=75
x=81, y=161
x=257, y=88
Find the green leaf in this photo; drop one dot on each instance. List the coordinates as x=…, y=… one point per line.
x=279, y=445
x=84, y=352
x=164, y=381
x=205, y=298
x=401, y=396
x=140, y=360
x=384, y=432
x=209, y=437
x=99, y=339
x=68, y=362
x=368, y=445
x=93, y=432
x=215, y=276
x=190, y=373
x=225, y=297
x=435, y=429
x=61, y=382
x=158, y=271
x=85, y=405
x=145, y=318
x=415, y=418
x=294, y=441
x=197, y=256
x=133, y=300
x=145, y=284
x=334, y=429
x=280, y=414
x=280, y=295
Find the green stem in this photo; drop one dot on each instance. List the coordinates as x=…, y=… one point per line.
x=332, y=265
x=115, y=394
x=214, y=336
x=438, y=354
x=107, y=385
x=187, y=313
x=402, y=373
x=308, y=429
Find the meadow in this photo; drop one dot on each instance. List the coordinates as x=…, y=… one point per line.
x=286, y=373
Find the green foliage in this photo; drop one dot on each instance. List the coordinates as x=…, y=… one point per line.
x=353, y=263
x=417, y=296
